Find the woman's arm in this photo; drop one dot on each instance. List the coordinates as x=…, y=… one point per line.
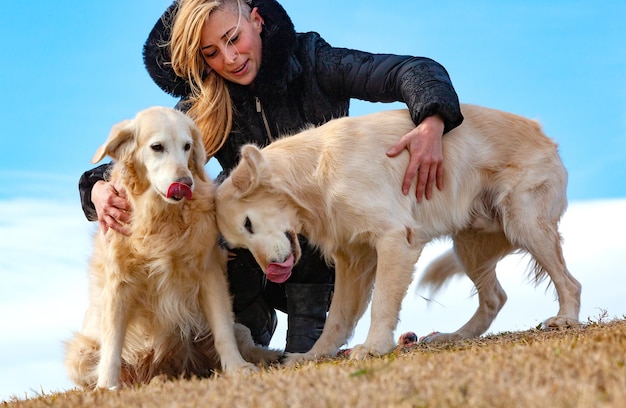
x=104, y=202
x=422, y=83
x=87, y=180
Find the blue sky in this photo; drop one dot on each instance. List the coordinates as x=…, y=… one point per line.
x=71, y=69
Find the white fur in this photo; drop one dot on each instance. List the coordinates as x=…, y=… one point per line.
x=504, y=190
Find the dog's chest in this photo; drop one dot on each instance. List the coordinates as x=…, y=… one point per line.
x=168, y=287
x=155, y=257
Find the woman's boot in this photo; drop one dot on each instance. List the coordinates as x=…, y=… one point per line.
x=307, y=305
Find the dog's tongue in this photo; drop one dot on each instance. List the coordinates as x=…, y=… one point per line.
x=279, y=272
x=179, y=191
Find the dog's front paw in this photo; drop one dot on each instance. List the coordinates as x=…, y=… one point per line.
x=262, y=355
x=560, y=322
x=105, y=385
x=108, y=382
x=243, y=368
x=268, y=356
x=363, y=351
x=248, y=368
x=293, y=359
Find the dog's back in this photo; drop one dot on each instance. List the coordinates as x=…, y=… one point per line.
x=489, y=156
x=504, y=189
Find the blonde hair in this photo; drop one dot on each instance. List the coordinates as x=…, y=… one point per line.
x=211, y=105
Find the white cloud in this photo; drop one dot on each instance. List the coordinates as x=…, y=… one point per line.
x=44, y=248
x=45, y=245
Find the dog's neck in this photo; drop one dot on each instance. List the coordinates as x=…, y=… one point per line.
x=143, y=196
x=304, y=192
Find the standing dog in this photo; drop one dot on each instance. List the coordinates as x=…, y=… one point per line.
x=158, y=299
x=505, y=190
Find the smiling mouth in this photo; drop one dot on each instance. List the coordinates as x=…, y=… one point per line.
x=241, y=68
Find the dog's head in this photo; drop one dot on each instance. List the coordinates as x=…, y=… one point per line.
x=162, y=147
x=252, y=213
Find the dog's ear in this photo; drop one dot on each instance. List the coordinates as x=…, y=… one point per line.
x=248, y=174
x=120, y=134
x=198, y=158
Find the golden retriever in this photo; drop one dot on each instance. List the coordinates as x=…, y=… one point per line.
x=504, y=190
x=158, y=300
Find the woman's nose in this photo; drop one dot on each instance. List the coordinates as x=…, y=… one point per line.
x=230, y=53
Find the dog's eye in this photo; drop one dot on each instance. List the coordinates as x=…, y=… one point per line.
x=248, y=225
x=157, y=147
x=187, y=147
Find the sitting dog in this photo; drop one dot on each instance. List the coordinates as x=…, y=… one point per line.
x=504, y=190
x=158, y=301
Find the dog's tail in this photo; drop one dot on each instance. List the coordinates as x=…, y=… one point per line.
x=440, y=271
x=82, y=354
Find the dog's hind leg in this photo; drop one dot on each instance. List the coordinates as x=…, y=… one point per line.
x=531, y=223
x=543, y=241
x=397, y=253
x=478, y=253
x=354, y=277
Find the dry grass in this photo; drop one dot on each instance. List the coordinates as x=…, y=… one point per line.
x=581, y=367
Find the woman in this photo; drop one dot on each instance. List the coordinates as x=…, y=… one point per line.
x=245, y=76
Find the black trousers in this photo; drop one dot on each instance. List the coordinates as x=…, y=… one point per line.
x=247, y=280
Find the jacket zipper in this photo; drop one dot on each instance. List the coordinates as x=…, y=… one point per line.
x=260, y=110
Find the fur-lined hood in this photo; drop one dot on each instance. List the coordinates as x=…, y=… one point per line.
x=279, y=63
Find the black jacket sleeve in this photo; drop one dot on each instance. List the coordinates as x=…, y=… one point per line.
x=423, y=84
x=85, y=185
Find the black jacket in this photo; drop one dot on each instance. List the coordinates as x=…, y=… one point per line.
x=303, y=81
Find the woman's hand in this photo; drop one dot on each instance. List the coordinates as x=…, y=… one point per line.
x=425, y=147
x=112, y=207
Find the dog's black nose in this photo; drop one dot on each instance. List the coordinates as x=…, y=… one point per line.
x=185, y=180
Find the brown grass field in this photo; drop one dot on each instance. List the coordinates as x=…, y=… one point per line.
x=579, y=367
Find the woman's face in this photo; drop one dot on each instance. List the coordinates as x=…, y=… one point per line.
x=231, y=45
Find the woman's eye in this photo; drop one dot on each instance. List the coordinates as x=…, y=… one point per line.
x=248, y=225
x=210, y=54
x=157, y=147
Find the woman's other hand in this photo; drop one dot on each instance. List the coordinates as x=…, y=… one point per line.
x=112, y=207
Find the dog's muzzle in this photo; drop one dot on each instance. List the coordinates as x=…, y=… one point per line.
x=279, y=272
x=177, y=191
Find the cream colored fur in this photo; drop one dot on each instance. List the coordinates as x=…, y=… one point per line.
x=158, y=299
x=504, y=190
